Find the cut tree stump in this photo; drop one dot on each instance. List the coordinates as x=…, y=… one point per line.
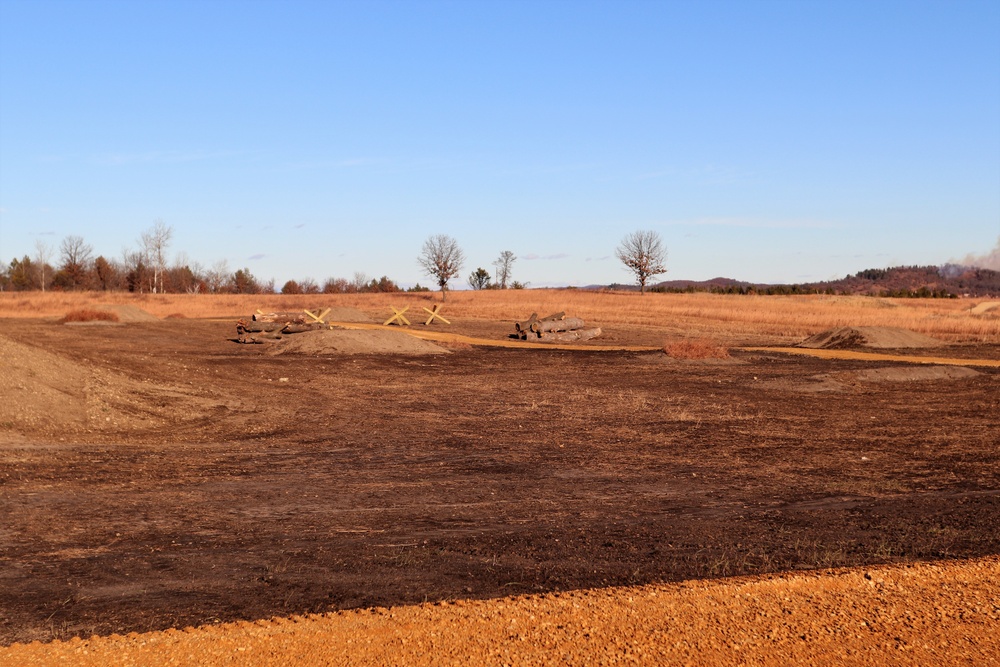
x=521, y=327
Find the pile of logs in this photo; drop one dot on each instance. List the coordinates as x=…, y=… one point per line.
x=260, y=327
x=556, y=328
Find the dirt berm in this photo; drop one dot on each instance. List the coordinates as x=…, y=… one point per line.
x=872, y=337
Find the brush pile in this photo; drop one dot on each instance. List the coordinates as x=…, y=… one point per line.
x=556, y=328
x=261, y=327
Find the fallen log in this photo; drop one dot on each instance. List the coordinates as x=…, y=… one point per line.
x=570, y=336
x=554, y=316
x=521, y=327
x=245, y=332
x=566, y=324
x=257, y=327
x=301, y=327
x=279, y=317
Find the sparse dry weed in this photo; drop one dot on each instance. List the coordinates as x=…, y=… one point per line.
x=697, y=348
x=89, y=315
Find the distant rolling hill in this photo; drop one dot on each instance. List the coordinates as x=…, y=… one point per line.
x=948, y=281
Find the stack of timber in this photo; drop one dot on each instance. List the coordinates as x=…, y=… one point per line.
x=556, y=328
x=262, y=327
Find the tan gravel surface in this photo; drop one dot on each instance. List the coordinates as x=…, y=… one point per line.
x=924, y=614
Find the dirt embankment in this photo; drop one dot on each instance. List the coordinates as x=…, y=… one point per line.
x=943, y=613
x=882, y=338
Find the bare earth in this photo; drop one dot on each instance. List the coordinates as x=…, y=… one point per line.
x=489, y=505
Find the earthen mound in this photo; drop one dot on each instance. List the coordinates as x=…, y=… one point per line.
x=40, y=387
x=986, y=307
x=127, y=313
x=347, y=341
x=347, y=315
x=916, y=373
x=873, y=337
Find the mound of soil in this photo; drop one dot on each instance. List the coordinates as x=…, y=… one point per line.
x=347, y=315
x=48, y=392
x=873, y=337
x=40, y=386
x=127, y=313
x=352, y=341
x=916, y=373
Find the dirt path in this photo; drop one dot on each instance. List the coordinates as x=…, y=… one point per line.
x=943, y=613
x=876, y=356
x=447, y=337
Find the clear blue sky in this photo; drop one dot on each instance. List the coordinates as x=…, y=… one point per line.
x=768, y=141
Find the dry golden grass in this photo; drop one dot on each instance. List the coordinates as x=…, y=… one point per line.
x=724, y=317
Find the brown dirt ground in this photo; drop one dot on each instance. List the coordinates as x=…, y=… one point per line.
x=157, y=475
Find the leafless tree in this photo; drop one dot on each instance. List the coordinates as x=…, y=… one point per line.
x=134, y=269
x=217, y=278
x=154, y=243
x=43, y=253
x=643, y=254
x=76, y=256
x=442, y=259
x=504, y=264
x=360, y=281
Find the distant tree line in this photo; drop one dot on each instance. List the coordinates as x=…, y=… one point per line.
x=144, y=269
x=916, y=282
x=771, y=290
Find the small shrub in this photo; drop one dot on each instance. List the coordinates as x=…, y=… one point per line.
x=695, y=348
x=176, y=316
x=89, y=315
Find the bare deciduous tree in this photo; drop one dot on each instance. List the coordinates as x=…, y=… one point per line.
x=43, y=253
x=504, y=264
x=643, y=254
x=359, y=282
x=76, y=256
x=442, y=259
x=217, y=278
x=154, y=243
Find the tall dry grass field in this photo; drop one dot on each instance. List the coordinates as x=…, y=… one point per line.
x=728, y=317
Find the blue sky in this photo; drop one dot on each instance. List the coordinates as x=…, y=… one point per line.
x=766, y=141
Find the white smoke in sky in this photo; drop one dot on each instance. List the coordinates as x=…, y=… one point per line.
x=990, y=260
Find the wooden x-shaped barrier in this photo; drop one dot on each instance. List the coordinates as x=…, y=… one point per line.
x=435, y=312
x=397, y=317
x=318, y=316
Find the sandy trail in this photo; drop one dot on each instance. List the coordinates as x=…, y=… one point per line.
x=446, y=337
x=876, y=356
x=930, y=613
